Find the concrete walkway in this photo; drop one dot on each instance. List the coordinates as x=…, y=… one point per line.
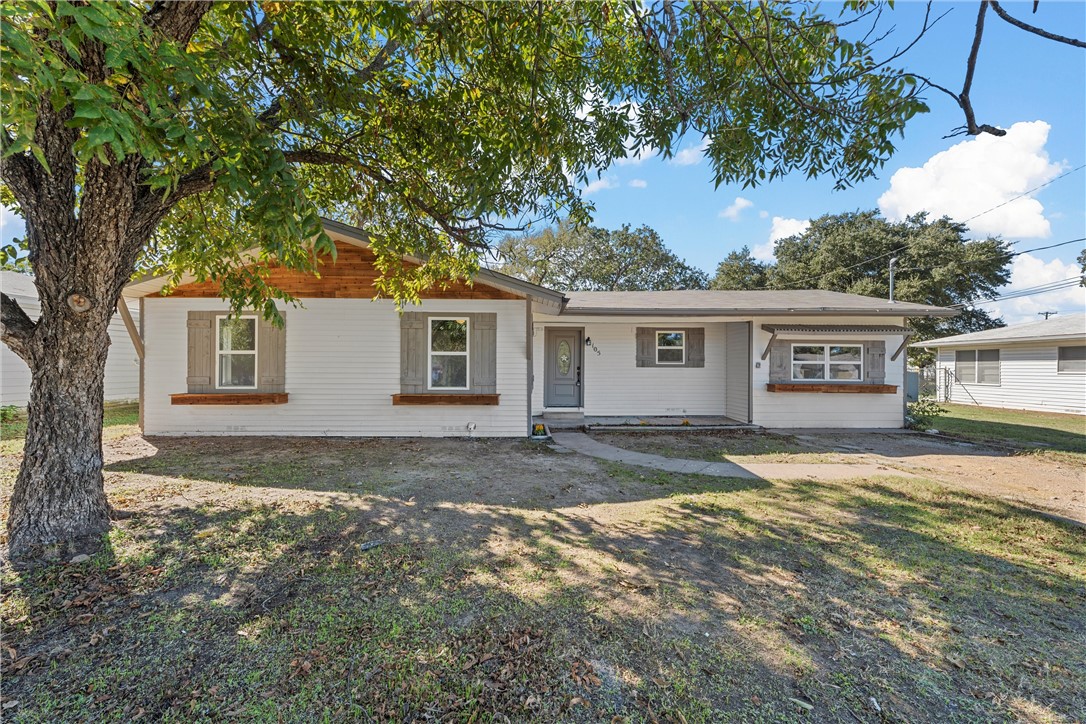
x=585, y=445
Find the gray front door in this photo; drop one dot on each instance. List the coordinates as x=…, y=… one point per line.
x=562, y=376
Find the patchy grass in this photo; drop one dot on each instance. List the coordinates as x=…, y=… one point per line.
x=540, y=587
x=119, y=419
x=1062, y=436
x=739, y=446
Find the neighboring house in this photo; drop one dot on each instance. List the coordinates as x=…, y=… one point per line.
x=1034, y=366
x=122, y=363
x=484, y=358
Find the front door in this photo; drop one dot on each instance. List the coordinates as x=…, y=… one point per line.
x=563, y=368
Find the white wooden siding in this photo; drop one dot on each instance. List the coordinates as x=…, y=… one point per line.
x=122, y=365
x=795, y=409
x=342, y=368
x=1028, y=380
x=613, y=383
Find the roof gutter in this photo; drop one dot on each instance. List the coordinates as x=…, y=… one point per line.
x=814, y=311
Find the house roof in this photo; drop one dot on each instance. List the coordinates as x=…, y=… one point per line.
x=1059, y=327
x=695, y=303
x=358, y=237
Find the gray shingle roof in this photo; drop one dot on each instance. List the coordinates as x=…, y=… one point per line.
x=692, y=303
x=1061, y=326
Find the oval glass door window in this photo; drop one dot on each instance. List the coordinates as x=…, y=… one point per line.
x=564, y=357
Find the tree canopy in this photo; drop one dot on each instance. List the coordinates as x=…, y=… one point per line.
x=591, y=258
x=936, y=263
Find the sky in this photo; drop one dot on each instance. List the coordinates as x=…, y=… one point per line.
x=1034, y=88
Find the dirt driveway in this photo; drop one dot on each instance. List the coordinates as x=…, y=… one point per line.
x=1049, y=484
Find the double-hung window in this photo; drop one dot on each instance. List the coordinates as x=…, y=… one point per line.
x=844, y=362
x=448, y=353
x=1071, y=360
x=977, y=366
x=235, y=352
x=670, y=348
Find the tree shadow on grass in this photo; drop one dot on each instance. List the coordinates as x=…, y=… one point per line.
x=706, y=597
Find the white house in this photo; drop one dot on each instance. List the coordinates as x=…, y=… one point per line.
x=484, y=358
x=1034, y=366
x=122, y=363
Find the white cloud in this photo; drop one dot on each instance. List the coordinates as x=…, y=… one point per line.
x=691, y=155
x=781, y=228
x=606, y=182
x=974, y=176
x=763, y=214
x=1029, y=271
x=638, y=183
x=736, y=208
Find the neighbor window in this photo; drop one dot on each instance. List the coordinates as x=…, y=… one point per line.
x=670, y=348
x=977, y=366
x=843, y=362
x=448, y=354
x=236, y=352
x=1072, y=359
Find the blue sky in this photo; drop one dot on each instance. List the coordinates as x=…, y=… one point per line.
x=1020, y=79
x=1034, y=87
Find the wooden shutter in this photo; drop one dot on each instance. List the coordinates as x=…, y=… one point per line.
x=695, y=347
x=646, y=347
x=875, y=362
x=413, y=339
x=483, y=352
x=780, y=361
x=271, y=356
x=201, y=361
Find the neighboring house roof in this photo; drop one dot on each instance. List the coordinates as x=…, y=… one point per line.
x=694, y=303
x=358, y=237
x=17, y=284
x=1057, y=328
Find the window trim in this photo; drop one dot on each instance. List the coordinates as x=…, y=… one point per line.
x=466, y=354
x=219, y=352
x=976, y=366
x=656, y=339
x=826, y=379
x=1068, y=372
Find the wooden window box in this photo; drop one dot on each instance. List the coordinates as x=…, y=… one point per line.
x=853, y=388
x=442, y=399
x=230, y=398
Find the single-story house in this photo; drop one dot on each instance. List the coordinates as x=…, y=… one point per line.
x=122, y=362
x=1033, y=366
x=487, y=356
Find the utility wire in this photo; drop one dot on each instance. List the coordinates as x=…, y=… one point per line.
x=1025, y=193
x=1068, y=283
x=992, y=258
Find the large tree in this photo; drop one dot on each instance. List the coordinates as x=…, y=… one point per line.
x=935, y=262
x=570, y=257
x=177, y=135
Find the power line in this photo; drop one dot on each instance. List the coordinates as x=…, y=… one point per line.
x=998, y=256
x=1025, y=193
x=1068, y=283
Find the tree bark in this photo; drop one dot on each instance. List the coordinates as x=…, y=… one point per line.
x=58, y=506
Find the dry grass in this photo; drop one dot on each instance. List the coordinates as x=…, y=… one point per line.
x=518, y=583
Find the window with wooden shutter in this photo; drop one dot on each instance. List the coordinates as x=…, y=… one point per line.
x=669, y=347
x=229, y=354
x=448, y=354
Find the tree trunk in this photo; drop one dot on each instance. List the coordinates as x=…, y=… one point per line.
x=58, y=506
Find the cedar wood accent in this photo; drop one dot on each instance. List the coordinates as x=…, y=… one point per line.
x=857, y=388
x=351, y=276
x=232, y=398
x=432, y=399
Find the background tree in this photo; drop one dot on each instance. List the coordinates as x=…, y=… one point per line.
x=184, y=133
x=740, y=270
x=589, y=258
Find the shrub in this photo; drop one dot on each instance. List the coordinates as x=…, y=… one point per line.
x=924, y=412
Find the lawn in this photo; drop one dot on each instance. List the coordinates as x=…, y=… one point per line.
x=1030, y=431
x=457, y=580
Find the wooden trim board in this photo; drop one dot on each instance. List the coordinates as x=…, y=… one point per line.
x=430, y=399
x=833, y=387
x=232, y=398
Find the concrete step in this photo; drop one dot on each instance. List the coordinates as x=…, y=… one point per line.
x=571, y=416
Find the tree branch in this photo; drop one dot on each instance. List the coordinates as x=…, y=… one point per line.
x=16, y=328
x=177, y=20
x=1033, y=29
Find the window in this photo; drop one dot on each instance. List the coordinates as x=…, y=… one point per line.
x=1072, y=359
x=842, y=362
x=670, y=348
x=448, y=354
x=977, y=366
x=236, y=352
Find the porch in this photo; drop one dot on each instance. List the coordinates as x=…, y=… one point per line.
x=577, y=421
